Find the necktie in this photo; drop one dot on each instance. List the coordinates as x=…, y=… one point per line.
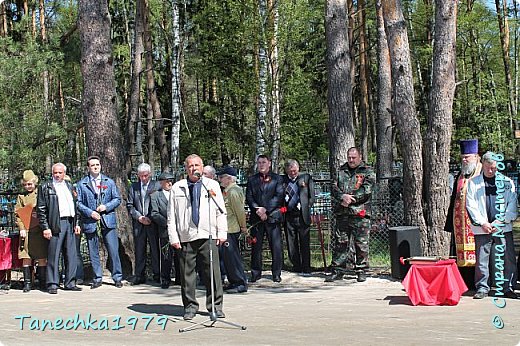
x=195, y=201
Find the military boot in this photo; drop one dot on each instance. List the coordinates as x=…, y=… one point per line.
x=336, y=275
x=361, y=277
x=27, y=279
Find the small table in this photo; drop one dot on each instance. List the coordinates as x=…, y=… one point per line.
x=438, y=283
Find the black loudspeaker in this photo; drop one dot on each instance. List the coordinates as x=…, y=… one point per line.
x=405, y=241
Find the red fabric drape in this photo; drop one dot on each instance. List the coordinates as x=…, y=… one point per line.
x=438, y=283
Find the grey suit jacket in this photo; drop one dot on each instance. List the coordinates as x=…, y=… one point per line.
x=159, y=212
x=135, y=204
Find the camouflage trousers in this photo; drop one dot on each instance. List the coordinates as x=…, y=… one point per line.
x=349, y=229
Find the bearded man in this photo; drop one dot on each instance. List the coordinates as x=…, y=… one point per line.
x=458, y=221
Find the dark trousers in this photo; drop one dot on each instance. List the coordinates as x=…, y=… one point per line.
x=233, y=261
x=298, y=242
x=272, y=230
x=150, y=234
x=112, y=244
x=64, y=241
x=190, y=254
x=166, y=259
x=80, y=272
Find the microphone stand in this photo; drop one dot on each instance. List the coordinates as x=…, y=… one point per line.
x=212, y=315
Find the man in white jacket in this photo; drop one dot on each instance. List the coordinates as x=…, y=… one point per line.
x=196, y=209
x=492, y=207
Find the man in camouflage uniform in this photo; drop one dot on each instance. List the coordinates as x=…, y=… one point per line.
x=351, y=194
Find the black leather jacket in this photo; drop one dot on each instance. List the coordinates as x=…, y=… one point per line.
x=47, y=207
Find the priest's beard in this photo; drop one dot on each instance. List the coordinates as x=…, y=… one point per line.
x=468, y=168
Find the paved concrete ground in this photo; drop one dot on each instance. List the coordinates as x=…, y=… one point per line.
x=300, y=310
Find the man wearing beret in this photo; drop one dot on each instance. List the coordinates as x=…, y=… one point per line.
x=236, y=219
x=159, y=214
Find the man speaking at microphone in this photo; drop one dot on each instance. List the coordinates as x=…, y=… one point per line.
x=196, y=210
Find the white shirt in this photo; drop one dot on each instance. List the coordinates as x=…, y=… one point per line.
x=96, y=183
x=166, y=194
x=65, y=200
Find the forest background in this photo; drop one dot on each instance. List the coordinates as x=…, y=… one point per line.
x=153, y=81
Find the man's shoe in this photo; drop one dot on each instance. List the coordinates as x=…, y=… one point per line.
x=236, y=289
x=95, y=285
x=53, y=290
x=254, y=278
x=480, y=295
x=220, y=314
x=79, y=281
x=118, y=284
x=335, y=276
x=137, y=281
x=361, y=277
x=277, y=279
x=73, y=288
x=511, y=295
x=165, y=284
x=189, y=315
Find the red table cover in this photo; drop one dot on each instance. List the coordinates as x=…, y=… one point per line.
x=9, y=253
x=438, y=283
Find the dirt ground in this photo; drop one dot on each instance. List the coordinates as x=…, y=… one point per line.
x=298, y=311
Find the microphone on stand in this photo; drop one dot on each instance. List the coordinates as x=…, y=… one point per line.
x=197, y=174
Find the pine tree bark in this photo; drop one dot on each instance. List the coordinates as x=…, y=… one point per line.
x=363, y=79
x=99, y=108
x=404, y=112
x=384, y=101
x=502, y=13
x=339, y=83
x=438, y=134
x=156, y=134
x=133, y=133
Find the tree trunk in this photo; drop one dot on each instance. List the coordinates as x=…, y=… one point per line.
x=502, y=13
x=339, y=83
x=133, y=133
x=438, y=135
x=176, y=73
x=363, y=80
x=3, y=20
x=275, y=87
x=261, y=126
x=155, y=128
x=404, y=112
x=384, y=101
x=43, y=29
x=103, y=134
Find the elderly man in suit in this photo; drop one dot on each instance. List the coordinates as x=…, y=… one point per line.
x=264, y=196
x=196, y=211
x=56, y=209
x=299, y=198
x=138, y=206
x=159, y=214
x=98, y=199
